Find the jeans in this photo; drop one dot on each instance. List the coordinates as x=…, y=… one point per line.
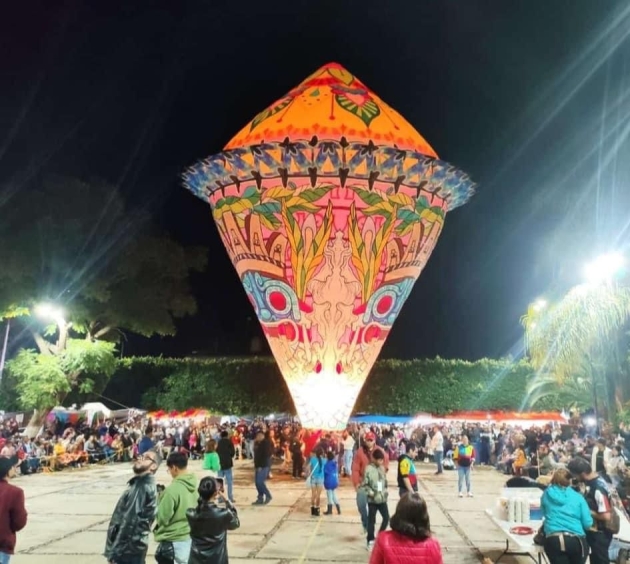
x=575, y=550
x=372, y=509
x=261, y=486
x=348, y=455
x=331, y=497
x=182, y=551
x=229, y=481
x=4, y=558
x=362, y=506
x=439, y=456
x=599, y=542
x=463, y=474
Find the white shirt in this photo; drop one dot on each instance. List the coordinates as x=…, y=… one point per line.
x=437, y=442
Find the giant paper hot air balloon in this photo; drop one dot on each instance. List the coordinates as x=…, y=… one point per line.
x=329, y=204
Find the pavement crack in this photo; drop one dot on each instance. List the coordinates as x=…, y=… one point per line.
x=72, y=533
x=279, y=524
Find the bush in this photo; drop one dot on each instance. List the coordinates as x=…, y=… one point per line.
x=254, y=385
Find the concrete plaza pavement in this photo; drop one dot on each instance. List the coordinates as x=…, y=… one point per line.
x=69, y=512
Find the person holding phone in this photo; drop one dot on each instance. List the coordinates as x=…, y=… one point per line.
x=209, y=524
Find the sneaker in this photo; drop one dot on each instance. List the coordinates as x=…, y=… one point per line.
x=461, y=494
x=258, y=502
x=470, y=494
x=267, y=500
x=370, y=546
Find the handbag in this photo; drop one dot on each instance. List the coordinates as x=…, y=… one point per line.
x=165, y=553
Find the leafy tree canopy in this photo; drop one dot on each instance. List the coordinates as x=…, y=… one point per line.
x=75, y=243
x=44, y=380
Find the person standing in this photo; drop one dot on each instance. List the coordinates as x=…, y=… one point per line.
x=348, y=452
x=226, y=452
x=129, y=528
x=599, y=501
x=262, y=455
x=464, y=457
x=317, y=463
x=407, y=478
x=375, y=486
x=180, y=496
x=437, y=446
x=360, y=462
x=297, y=457
x=209, y=525
x=331, y=483
x=211, y=460
x=13, y=515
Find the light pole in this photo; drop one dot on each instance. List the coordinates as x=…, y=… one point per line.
x=4, y=349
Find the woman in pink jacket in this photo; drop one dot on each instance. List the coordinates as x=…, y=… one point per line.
x=410, y=540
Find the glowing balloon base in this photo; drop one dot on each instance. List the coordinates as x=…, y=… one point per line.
x=324, y=401
x=328, y=233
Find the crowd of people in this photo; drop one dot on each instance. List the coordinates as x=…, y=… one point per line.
x=192, y=519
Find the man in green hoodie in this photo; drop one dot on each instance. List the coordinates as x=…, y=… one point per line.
x=172, y=525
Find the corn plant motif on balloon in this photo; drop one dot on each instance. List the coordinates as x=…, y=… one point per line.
x=329, y=204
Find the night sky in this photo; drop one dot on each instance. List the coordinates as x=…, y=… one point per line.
x=531, y=98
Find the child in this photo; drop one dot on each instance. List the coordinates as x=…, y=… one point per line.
x=331, y=483
x=375, y=484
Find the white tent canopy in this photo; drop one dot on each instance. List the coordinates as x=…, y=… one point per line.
x=94, y=408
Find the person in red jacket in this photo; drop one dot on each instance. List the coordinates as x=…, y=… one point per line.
x=360, y=462
x=410, y=540
x=12, y=510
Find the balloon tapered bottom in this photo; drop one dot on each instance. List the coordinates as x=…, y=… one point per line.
x=324, y=401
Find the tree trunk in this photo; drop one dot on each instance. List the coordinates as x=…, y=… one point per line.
x=36, y=421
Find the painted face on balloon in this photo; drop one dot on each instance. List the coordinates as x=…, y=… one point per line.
x=328, y=235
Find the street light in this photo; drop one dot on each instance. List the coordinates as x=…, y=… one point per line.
x=604, y=267
x=539, y=305
x=49, y=312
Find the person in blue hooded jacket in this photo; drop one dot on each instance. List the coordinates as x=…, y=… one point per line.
x=331, y=483
x=567, y=517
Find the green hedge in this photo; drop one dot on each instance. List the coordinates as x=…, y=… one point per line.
x=254, y=385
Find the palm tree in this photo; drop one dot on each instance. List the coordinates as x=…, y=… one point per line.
x=579, y=338
x=575, y=394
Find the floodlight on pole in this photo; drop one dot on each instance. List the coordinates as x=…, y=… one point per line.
x=604, y=268
x=539, y=305
x=49, y=312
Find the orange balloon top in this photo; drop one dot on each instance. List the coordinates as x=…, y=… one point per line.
x=332, y=103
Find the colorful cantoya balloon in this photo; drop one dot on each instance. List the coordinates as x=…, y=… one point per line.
x=329, y=204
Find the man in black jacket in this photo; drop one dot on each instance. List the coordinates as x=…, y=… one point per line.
x=262, y=457
x=226, y=452
x=130, y=525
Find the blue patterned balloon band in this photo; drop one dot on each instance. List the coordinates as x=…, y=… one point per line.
x=326, y=159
